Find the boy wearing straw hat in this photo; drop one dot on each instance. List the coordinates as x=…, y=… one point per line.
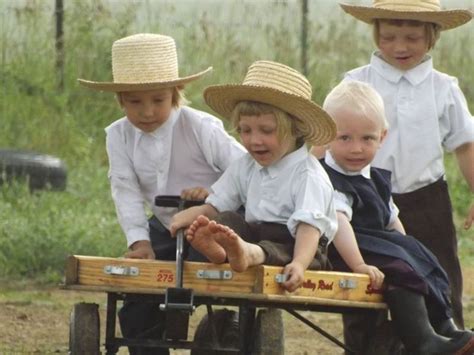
x=288, y=198
x=160, y=147
x=427, y=113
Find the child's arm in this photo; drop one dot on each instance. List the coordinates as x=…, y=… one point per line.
x=184, y=218
x=465, y=158
x=306, y=245
x=346, y=244
x=398, y=226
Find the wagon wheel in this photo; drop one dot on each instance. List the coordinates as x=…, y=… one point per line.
x=84, y=329
x=269, y=333
x=226, y=324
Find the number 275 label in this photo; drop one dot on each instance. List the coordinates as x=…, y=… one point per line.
x=165, y=276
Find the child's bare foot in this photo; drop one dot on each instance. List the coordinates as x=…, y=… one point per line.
x=200, y=235
x=240, y=253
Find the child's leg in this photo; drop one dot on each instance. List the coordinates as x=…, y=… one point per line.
x=427, y=215
x=240, y=254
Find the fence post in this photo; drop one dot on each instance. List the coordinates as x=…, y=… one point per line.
x=304, y=36
x=59, y=14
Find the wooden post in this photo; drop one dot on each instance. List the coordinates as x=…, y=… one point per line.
x=59, y=14
x=304, y=36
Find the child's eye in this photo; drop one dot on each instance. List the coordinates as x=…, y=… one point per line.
x=268, y=130
x=344, y=137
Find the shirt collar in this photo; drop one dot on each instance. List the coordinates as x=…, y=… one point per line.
x=414, y=76
x=329, y=160
x=164, y=129
x=287, y=161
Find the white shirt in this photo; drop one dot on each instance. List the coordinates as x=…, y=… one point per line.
x=295, y=189
x=190, y=149
x=343, y=201
x=427, y=112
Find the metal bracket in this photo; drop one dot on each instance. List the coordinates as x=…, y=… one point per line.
x=347, y=283
x=214, y=274
x=280, y=278
x=121, y=270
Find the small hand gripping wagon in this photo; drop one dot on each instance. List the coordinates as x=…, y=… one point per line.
x=179, y=287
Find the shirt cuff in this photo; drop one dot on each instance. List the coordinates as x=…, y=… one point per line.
x=136, y=234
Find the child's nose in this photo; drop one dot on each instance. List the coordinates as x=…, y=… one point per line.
x=356, y=147
x=400, y=46
x=147, y=110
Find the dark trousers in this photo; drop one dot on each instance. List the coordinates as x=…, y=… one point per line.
x=275, y=240
x=144, y=319
x=427, y=215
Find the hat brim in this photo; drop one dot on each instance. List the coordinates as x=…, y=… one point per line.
x=321, y=128
x=446, y=19
x=124, y=87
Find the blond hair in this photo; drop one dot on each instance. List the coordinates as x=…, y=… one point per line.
x=432, y=30
x=287, y=125
x=359, y=97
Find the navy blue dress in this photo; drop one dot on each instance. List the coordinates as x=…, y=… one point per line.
x=403, y=259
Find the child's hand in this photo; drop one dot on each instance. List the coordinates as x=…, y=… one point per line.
x=141, y=250
x=469, y=219
x=295, y=272
x=194, y=193
x=376, y=276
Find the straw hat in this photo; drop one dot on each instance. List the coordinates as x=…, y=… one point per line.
x=419, y=10
x=143, y=61
x=280, y=86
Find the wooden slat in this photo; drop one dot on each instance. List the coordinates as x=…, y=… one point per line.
x=323, y=284
x=257, y=282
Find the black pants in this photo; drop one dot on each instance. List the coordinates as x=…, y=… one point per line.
x=144, y=319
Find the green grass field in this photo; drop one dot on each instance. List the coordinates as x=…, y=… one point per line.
x=37, y=231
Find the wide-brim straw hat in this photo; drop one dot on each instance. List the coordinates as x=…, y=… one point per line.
x=141, y=62
x=418, y=10
x=280, y=86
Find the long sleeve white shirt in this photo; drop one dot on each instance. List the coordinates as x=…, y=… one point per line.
x=427, y=113
x=295, y=189
x=190, y=149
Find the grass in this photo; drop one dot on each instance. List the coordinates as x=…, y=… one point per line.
x=38, y=230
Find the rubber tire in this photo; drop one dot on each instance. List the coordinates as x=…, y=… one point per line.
x=42, y=171
x=84, y=329
x=227, y=330
x=269, y=333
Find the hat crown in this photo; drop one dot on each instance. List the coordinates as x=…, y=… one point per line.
x=408, y=5
x=278, y=77
x=143, y=58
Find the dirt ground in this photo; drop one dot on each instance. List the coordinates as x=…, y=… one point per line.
x=35, y=320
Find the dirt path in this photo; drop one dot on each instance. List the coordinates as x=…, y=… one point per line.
x=35, y=319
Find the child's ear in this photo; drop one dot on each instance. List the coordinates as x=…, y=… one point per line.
x=383, y=135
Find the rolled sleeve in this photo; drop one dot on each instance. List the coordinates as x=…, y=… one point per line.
x=326, y=225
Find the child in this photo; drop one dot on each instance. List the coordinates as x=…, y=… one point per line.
x=417, y=287
x=427, y=113
x=160, y=147
x=287, y=195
